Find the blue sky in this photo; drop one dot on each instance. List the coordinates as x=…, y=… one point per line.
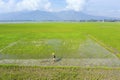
x=94, y=7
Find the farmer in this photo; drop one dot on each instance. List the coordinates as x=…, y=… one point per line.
x=54, y=57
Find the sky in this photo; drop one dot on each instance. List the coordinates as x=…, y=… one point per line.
x=94, y=7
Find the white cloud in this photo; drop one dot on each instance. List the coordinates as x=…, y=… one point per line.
x=13, y=5
x=76, y=5
x=45, y=5
x=4, y=6
x=34, y=5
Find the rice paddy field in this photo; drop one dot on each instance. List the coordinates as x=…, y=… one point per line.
x=84, y=51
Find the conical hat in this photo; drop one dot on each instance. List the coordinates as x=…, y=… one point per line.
x=53, y=53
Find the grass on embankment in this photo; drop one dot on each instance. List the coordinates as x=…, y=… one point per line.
x=58, y=73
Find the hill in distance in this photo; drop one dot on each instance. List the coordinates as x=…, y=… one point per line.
x=46, y=16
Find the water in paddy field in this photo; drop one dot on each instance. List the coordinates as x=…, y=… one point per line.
x=69, y=52
x=43, y=48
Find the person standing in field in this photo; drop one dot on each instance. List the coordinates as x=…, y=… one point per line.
x=54, y=57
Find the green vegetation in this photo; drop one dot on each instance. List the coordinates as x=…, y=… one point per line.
x=58, y=73
x=39, y=40
x=75, y=44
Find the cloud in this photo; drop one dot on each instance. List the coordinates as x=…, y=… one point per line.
x=7, y=6
x=44, y=5
x=13, y=5
x=34, y=5
x=77, y=5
